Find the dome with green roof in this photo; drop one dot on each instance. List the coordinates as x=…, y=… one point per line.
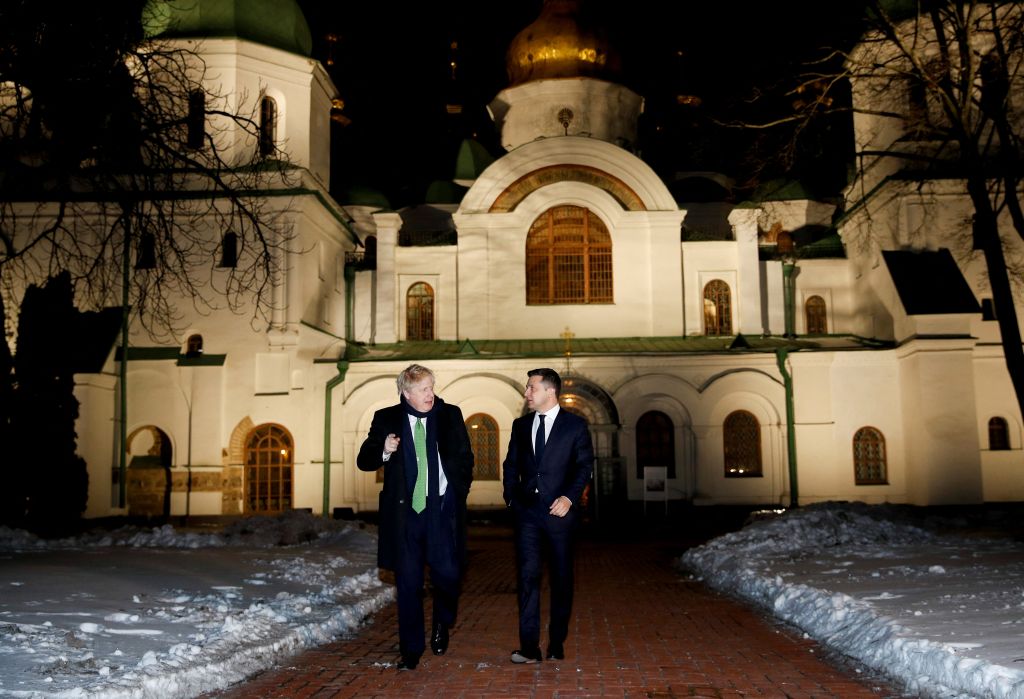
x=277, y=23
x=361, y=195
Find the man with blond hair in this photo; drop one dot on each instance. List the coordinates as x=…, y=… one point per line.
x=423, y=446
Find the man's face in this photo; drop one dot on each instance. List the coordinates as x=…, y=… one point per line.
x=421, y=394
x=540, y=396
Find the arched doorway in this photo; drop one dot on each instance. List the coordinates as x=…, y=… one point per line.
x=269, y=470
x=608, y=491
x=149, y=472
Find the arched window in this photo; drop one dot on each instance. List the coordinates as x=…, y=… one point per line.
x=717, y=308
x=741, y=434
x=194, y=345
x=268, y=470
x=419, y=312
x=268, y=126
x=998, y=434
x=483, y=438
x=869, y=467
x=655, y=443
x=229, y=250
x=816, y=321
x=196, y=123
x=568, y=258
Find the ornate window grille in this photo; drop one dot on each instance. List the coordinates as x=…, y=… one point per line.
x=741, y=435
x=483, y=438
x=717, y=308
x=268, y=470
x=568, y=258
x=869, y=464
x=817, y=324
x=419, y=312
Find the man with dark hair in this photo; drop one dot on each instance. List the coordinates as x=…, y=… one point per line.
x=423, y=446
x=549, y=463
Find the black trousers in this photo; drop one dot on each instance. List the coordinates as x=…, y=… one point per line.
x=420, y=549
x=542, y=537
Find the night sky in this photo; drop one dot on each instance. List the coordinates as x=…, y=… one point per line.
x=390, y=64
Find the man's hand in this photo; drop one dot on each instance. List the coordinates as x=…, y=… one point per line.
x=391, y=443
x=560, y=507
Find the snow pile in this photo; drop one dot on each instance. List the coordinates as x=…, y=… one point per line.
x=872, y=584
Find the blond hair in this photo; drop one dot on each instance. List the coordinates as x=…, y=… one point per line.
x=412, y=375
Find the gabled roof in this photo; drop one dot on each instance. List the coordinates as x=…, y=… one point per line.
x=929, y=282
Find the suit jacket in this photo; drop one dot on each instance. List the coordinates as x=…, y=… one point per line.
x=565, y=468
x=456, y=462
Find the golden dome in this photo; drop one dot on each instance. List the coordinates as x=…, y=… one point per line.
x=559, y=45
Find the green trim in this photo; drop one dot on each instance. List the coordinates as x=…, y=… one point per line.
x=202, y=360
x=597, y=347
x=148, y=354
x=328, y=392
x=320, y=330
x=787, y=381
x=162, y=354
x=937, y=336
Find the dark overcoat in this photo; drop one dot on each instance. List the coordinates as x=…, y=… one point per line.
x=456, y=461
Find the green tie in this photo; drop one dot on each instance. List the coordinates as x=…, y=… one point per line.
x=419, y=492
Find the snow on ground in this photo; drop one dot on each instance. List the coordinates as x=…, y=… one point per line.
x=941, y=613
x=139, y=613
x=162, y=613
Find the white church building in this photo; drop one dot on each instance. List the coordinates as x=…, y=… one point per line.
x=742, y=354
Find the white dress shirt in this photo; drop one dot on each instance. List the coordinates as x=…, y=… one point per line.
x=441, y=480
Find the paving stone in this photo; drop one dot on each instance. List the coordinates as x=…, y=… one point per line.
x=640, y=629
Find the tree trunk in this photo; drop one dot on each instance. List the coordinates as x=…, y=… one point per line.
x=986, y=236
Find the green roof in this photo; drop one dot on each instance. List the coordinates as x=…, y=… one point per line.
x=359, y=195
x=588, y=347
x=277, y=23
x=471, y=161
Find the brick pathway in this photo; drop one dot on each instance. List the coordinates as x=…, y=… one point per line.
x=640, y=629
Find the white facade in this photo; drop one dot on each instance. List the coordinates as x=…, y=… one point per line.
x=927, y=384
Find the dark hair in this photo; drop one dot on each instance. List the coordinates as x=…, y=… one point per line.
x=550, y=377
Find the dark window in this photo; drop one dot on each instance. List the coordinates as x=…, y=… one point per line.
x=419, y=312
x=742, y=441
x=717, y=308
x=229, y=250
x=145, y=255
x=194, y=346
x=268, y=470
x=568, y=258
x=196, y=119
x=655, y=443
x=924, y=105
x=817, y=324
x=998, y=434
x=268, y=126
x=988, y=309
x=869, y=464
x=483, y=438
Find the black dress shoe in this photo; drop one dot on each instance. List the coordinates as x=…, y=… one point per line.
x=408, y=662
x=439, y=639
x=556, y=652
x=526, y=656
